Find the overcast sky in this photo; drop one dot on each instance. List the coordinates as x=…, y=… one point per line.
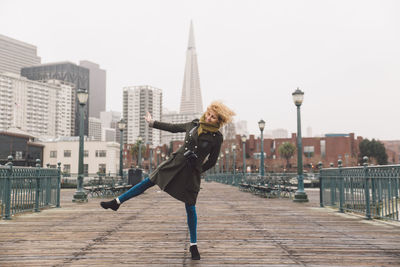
x=344, y=55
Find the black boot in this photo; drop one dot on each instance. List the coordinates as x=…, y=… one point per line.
x=195, y=252
x=110, y=205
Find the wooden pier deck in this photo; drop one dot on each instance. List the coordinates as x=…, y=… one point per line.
x=234, y=229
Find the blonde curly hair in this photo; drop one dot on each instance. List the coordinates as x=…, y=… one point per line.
x=225, y=114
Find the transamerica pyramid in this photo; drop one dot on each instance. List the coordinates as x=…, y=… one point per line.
x=191, y=101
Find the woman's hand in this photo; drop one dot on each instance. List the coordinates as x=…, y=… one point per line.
x=148, y=117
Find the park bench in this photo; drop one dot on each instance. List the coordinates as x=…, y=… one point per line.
x=106, y=186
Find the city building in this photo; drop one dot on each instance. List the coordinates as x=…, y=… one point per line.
x=40, y=108
x=21, y=146
x=67, y=72
x=109, y=135
x=327, y=149
x=191, y=100
x=99, y=157
x=95, y=129
x=15, y=54
x=97, y=88
x=241, y=128
x=109, y=120
x=137, y=101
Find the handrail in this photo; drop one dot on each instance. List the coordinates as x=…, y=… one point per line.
x=370, y=190
x=25, y=189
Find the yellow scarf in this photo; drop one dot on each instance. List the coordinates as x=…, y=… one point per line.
x=206, y=127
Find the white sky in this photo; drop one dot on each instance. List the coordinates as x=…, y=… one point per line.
x=345, y=55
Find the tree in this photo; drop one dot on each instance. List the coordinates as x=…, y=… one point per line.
x=135, y=151
x=287, y=150
x=373, y=149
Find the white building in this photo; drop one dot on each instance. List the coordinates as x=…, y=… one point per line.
x=109, y=120
x=15, y=54
x=137, y=100
x=98, y=156
x=191, y=100
x=95, y=130
x=41, y=108
x=108, y=135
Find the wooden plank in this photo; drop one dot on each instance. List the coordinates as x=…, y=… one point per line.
x=234, y=228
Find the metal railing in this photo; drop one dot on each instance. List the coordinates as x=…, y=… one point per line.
x=369, y=190
x=25, y=189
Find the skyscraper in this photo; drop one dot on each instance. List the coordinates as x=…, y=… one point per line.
x=191, y=101
x=97, y=88
x=15, y=54
x=41, y=108
x=68, y=72
x=137, y=100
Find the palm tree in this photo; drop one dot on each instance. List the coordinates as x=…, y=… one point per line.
x=287, y=150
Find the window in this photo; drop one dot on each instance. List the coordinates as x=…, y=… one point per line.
x=67, y=153
x=101, y=153
x=18, y=155
x=86, y=169
x=323, y=149
x=102, y=168
x=67, y=169
x=53, y=154
x=309, y=151
x=86, y=153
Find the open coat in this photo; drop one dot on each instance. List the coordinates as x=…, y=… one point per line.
x=174, y=175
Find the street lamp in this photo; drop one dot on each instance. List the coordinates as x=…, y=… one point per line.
x=150, y=157
x=244, y=153
x=234, y=159
x=158, y=156
x=261, y=125
x=121, y=127
x=227, y=160
x=80, y=195
x=140, y=152
x=300, y=195
x=222, y=162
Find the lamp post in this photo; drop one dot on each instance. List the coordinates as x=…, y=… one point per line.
x=140, y=152
x=222, y=162
x=300, y=195
x=244, y=153
x=121, y=127
x=227, y=160
x=261, y=125
x=234, y=159
x=150, y=157
x=80, y=195
x=158, y=156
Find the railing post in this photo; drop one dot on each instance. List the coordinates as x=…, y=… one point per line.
x=58, y=185
x=48, y=187
x=321, y=187
x=37, y=196
x=341, y=187
x=333, y=187
x=366, y=189
x=7, y=213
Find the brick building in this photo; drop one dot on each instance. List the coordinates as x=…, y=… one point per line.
x=327, y=149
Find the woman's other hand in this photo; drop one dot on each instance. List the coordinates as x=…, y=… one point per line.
x=148, y=117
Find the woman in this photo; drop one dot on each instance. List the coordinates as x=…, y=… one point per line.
x=179, y=176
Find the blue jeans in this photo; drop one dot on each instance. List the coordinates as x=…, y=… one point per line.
x=190, y=209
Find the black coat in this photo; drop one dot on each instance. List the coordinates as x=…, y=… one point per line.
x=174, y=175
